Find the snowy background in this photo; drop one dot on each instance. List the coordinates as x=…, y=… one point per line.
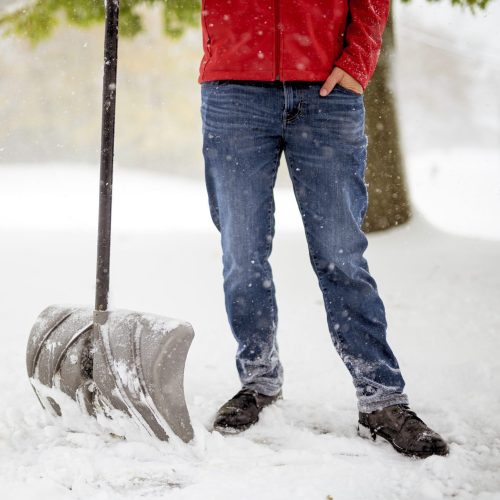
x=438, y=276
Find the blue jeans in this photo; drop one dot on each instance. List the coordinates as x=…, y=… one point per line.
x=246, y=126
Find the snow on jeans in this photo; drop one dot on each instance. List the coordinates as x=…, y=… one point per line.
x=246, y=126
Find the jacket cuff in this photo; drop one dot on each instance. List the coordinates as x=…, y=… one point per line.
x=353, y=68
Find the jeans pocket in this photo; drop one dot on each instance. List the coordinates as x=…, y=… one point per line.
x=346, y=91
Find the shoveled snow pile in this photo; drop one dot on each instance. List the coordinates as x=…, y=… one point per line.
x=441, y=293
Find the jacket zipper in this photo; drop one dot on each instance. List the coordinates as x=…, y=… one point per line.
x=277, y=40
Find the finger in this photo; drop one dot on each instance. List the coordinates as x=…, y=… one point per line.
x=332, y=80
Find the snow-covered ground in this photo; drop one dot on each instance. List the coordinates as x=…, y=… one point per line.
x=441, y=292
x=458, y=190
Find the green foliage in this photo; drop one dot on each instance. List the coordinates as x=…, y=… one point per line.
x=470, y=4
x=178, y=14
x=38, y=19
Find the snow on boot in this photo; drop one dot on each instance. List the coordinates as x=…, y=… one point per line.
x=242, y=411
x=407, y=433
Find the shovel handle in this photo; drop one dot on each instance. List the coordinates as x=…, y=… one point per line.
x=107, y=152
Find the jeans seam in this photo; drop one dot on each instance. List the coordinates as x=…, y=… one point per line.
x=269, y=224
x=313, y=254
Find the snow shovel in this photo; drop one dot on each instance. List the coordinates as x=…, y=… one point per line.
x=111, y=360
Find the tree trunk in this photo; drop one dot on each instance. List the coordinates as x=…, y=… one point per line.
x=388, y=203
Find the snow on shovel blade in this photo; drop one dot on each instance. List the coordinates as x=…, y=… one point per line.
x=113, y=360
x=139, y=367
x=58, y=355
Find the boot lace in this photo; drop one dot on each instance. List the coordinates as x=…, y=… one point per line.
x=408, y=418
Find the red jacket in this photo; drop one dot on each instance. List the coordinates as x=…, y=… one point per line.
x=290, y=39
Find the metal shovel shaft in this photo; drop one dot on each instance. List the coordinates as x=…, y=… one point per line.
x=107, y=153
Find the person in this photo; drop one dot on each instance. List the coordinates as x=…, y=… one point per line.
x=283, y=76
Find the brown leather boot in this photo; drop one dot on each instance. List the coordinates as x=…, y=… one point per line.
x=407, y=433
x=242, y=411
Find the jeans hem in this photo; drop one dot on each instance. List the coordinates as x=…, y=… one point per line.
x=393, y=399
x=265, y=390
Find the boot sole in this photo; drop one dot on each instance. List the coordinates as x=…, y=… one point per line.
x=231, y=431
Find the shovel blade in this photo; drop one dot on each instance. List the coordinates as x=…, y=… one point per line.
x=122, y=360
x=57, y=355
x=139, y=367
